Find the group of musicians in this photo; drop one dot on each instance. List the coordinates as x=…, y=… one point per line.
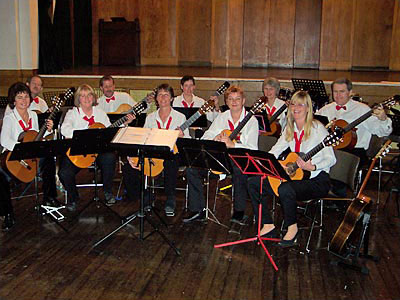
x=300, y=133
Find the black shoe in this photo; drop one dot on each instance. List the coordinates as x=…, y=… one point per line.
x=238, y=217
x=289, y=243
x=273, y=234
x=195, y=216
x=71, y=206
x=9, y=222
x=51, y=202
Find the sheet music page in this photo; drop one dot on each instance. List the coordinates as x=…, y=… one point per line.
x=146, y=136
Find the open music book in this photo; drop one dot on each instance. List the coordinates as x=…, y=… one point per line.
x=146, y=136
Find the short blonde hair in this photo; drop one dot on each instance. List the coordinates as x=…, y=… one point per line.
x=89, y=89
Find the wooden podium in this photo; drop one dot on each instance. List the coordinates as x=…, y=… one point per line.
x=119, y=42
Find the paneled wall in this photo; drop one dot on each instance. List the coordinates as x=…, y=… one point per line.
x=322, y=34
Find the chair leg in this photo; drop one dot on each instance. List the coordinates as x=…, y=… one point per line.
x=312, y=227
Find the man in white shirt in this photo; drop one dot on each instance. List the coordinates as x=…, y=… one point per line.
x=188, y=99
x=111, y=100
x=38, y=104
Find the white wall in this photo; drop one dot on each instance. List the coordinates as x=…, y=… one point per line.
x=19, y=35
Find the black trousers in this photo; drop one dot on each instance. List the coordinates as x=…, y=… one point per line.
x=47, y=166
x=132, y=182
x=196, y=195
x=5, y=194
x=68, y=171
x=289, y=193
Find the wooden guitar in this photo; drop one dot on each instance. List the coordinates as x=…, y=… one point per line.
x=354, y=211
x=25, y=170
x=350, y=135
x=274, y=124
x=293, y=170
x=154, y=166
x=84, y=161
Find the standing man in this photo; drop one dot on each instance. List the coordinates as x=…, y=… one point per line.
x=111, y=100
x=35, y=84
x=188, y=99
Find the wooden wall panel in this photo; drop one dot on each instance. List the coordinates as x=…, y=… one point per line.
x=395, y=45
x=307, y=33
x=256, y=32
x=235, y=33
x=337, y=34
x=194, y=32
x=219, y=33
x=158, y=32
x=373, y=33
x=281, y=42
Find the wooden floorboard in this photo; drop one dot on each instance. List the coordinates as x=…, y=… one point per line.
x=38, y=260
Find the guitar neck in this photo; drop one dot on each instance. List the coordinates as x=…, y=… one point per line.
x=236, y=131
x=44, y=127
x=306, y=157
x=190, y=121
x=357, y=121
x=134, y=110
x=277, y=114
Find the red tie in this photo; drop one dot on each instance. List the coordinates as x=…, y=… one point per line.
x=90, y=120
x=298, y=141
x=21, y=123
x=270, y=111
x=232, y=128
x=168, y=123
x=185, y=105
x=36, y=99
x=109, y=99
x=339, y=107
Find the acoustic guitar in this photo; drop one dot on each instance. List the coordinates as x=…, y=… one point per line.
x=154, y=166
x=350, y=136
x=354, y=211
x=84, y=161
x=25, y=170
x=293, y=170
x=274, y=124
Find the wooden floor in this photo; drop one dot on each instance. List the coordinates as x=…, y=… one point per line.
x=240, y=73
x=40, y=261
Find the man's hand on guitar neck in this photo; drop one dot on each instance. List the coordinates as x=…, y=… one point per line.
x=130, y=118
x=379, y=112
x=49, y=125
x=216, y=103
x=308, y=166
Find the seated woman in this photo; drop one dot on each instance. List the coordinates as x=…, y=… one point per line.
x=84, y=114
x=301, y=134
x=19, y=120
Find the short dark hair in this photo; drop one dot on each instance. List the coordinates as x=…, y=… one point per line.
x=15, y=89
x=342, y=80
x=106, y=77
x=187, y=78
x=29, y=79
x=165, y=87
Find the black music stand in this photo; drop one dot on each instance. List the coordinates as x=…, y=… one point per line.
x=89, y=141
x=39, y=149
x=142, y=151
x=207, y=155
x=44, y=116
x=263, y=164
x=316, y=90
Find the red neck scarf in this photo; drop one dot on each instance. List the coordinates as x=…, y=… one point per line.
x=21, y=123
x=90, y=120
x=232, y=128
x=270, y=111
x=168, y=123
x=110, y=99
x=185, y=105
x=36, y=100
x=339, y=107
x=298, y=141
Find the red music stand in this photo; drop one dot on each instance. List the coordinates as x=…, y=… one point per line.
x=262, y=164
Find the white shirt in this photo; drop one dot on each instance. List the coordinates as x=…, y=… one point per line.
x=12, y=129
x=248, y=134
x=323, y=160
x=197, y=102
x=365, y=129
x=40, y=106
x=153, y=120
x=112, y=106
x=278, y=103
x=74, y=120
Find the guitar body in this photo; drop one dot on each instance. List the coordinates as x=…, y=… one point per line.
x=275, y=129
x=123, y=108
x=348, y=224
x=349, y=138
x=84, y=161
x=299, y=174
x=152, y=166
x=25, y=170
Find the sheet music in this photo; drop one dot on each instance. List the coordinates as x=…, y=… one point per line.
x=146, y=136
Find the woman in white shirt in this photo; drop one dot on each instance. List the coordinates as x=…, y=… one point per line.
x=302, y=133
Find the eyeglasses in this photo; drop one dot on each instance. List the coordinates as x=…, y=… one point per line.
x=298, y=104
